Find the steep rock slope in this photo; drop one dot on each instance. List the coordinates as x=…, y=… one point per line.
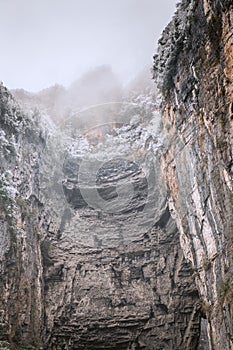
x=91, y=277
x=22, y=145
x=27, y=219
x=138, y=256
x=117, y=277
x=194, y=70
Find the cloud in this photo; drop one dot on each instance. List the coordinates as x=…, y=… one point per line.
x=49, y=41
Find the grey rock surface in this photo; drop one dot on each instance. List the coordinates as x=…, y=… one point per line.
x=116, y=281
x=197, y=91
x=120, y=237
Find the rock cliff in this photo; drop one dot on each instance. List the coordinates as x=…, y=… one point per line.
x=86, y=273
x=117, y=277
x=119, y=235
x=22, y=144
x=194, y=69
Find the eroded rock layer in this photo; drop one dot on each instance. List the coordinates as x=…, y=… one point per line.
x=112, y=284
x=77, y=276
x=137, y=256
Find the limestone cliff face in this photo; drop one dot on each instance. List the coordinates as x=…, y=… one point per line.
x=117, y=279
x=120, y=237
x=194, y=69
x=22, y=145
x=77, y=276
x=25, y=222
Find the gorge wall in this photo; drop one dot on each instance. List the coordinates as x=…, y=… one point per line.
x=78, y=276
x=140, y=255
x=194, y=67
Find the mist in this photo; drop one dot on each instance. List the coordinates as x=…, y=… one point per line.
x=47, y=42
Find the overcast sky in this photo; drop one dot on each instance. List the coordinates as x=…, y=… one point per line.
x=54, y=41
